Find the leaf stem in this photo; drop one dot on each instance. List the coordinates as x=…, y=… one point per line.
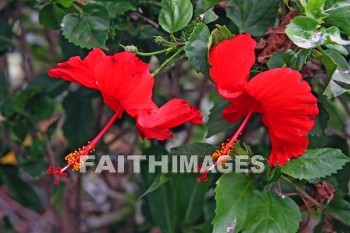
x=78, y=8
x=167, y=62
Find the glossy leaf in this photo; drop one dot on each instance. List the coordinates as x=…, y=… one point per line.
x=303, y=32
x=316, y=163
x=196, y=48
x=338, y=15
x=175, y=14
x=253, y=16
x=87, y=29
x=333, y=36
x=200, y=149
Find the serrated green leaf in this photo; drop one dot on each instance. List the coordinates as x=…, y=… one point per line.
x=208, y=17
x=297, y=60
x=302, y=30
x=117, y=8
x=87, y=29
x=316, y=163
x=339, y=16
x=216, y=123
x=253, y=16
x=241, y=207
x=196, y=48
x=204, y=5
x=220, y=33
x=276, y=60
x=175, y=14
x=277, y=215
x=51, y=16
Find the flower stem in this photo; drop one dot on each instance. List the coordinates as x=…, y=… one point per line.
x=167, y=62
x=156, y=52
x=92, y=144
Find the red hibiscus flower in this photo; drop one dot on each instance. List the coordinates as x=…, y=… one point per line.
x=282, y=97
x=154, y=122
x=125, y=84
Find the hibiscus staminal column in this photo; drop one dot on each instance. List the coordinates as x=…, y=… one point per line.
x=220, y=156
x=77, y=158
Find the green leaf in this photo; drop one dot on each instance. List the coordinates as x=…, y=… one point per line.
x=339, y=16
x=316, y=163
x=326, y=60
x=339, y=48
x=117, y=8
x=219, y=34
x=277, y=215
x=87, y=29
x=340, y=208
x=51, y=16
x=200, y=149
x=175, y=14
x=302, y=30
x=78, y=125
x=337, y=69
x=65, y=3
x=314, y=9
x=253, y=16
x=196, y=48
x=297, y=60
x=5, y=36
x=158, y=181
x=216, y=123
x=210, y=3
x=338, y=59
x=241, y=207
x=333, y=36
x=321, y=121
x=19, y=189
x=276, y=60
x=208, y=17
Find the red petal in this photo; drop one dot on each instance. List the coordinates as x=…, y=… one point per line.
x=80, y=71
x=231, y=61
x=128, y=80
x=239, y=107
x=154, y=122
x=288, y=109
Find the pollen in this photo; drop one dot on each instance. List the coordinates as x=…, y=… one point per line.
x=77, y=158
x=221, y=154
